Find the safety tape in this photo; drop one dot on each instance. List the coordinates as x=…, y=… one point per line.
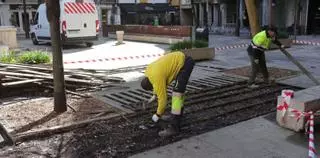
x=306, y=42
x=158, y=55
x=284, y=107
x=310, y=121
x=231, y=47
x=114, y=59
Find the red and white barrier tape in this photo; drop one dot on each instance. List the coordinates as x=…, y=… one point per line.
x=312, y=149
x=114, y=59
x=298, y=114
x=232, y=47
x=158, y=55
x=306, y=42
x=284, y=107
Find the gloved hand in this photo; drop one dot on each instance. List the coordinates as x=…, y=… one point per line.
x=153, y=98
x=282, y=46
x=155, y=117
x=145, y=103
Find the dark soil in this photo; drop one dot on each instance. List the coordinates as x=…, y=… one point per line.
x=275, y=73
x=210, y=110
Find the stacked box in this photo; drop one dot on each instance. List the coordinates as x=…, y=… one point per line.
x=305, y=100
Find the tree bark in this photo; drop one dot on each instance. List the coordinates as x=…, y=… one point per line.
x=53, y=15
x=26, y=25
x=253, y=17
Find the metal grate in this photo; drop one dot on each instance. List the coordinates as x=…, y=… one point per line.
x=131, y=100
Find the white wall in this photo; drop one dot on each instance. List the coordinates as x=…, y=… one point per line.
x=5, y=15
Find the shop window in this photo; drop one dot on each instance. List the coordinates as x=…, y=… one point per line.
x=104, y=15
x=33, y=15
x=35, y=19
x=14, y=19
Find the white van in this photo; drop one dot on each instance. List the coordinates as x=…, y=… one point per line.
x=78, y=23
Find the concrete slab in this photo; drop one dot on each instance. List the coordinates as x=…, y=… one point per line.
x=260, y=137
x=300, y=81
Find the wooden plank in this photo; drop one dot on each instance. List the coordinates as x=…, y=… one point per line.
x=116, y=99
x=138, y=96
x=48, y=77
x=20, y=137
x=25, y=66
x=225, y=78
x=140, y=93
x=71, y=92
x=126, y=98
x=28, y=71
x=217, y=80
x=110, y=100
x=207, y=83
x=15, y=83
x=194, y=87
x=147, y=92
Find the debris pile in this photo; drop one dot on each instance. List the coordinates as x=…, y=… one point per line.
x=20, y=79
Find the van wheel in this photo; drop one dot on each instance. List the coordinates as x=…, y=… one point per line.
x=34, y=39
x=89, y=44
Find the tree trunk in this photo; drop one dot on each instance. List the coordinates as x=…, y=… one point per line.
x=26, y=25
x=53, y=15
x=253, y=17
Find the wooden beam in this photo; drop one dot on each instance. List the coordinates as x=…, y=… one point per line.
x=253, y=16
x=15, y=83
x=36, y=134
x=48, y=77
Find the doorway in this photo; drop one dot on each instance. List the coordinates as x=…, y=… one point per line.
x=314, y=17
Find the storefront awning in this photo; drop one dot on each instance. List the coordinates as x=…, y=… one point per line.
x=147, y=8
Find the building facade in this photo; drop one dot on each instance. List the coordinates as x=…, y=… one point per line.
x=108, y=11
x=12, y=14
x=220, y=16
x=149, y=12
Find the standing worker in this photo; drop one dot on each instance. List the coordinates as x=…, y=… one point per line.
x=158, y=75
x=261, y=42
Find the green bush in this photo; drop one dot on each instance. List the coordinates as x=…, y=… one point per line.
x=9, y=57
x=34, y=57
x=181, y=45
x=200, y=44
x=188, y=45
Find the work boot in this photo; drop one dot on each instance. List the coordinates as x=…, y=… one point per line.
x=253, y=86
x=170, y=131
x=173, y=128
x=270, y=81
x=166, y=117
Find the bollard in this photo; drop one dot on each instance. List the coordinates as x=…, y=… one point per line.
x=120, y=37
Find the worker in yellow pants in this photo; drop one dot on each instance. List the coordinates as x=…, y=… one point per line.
x=158, y=75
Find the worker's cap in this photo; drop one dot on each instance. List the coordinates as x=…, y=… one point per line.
x=273, y=29
x=146, y=84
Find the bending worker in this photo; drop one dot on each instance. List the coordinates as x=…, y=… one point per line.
x=261, y=42
x=158, y=75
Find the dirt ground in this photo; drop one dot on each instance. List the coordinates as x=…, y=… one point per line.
x=275, y=73
x=123, y=136
x=24, y=114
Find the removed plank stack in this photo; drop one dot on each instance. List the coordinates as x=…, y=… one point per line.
x=31, y=78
